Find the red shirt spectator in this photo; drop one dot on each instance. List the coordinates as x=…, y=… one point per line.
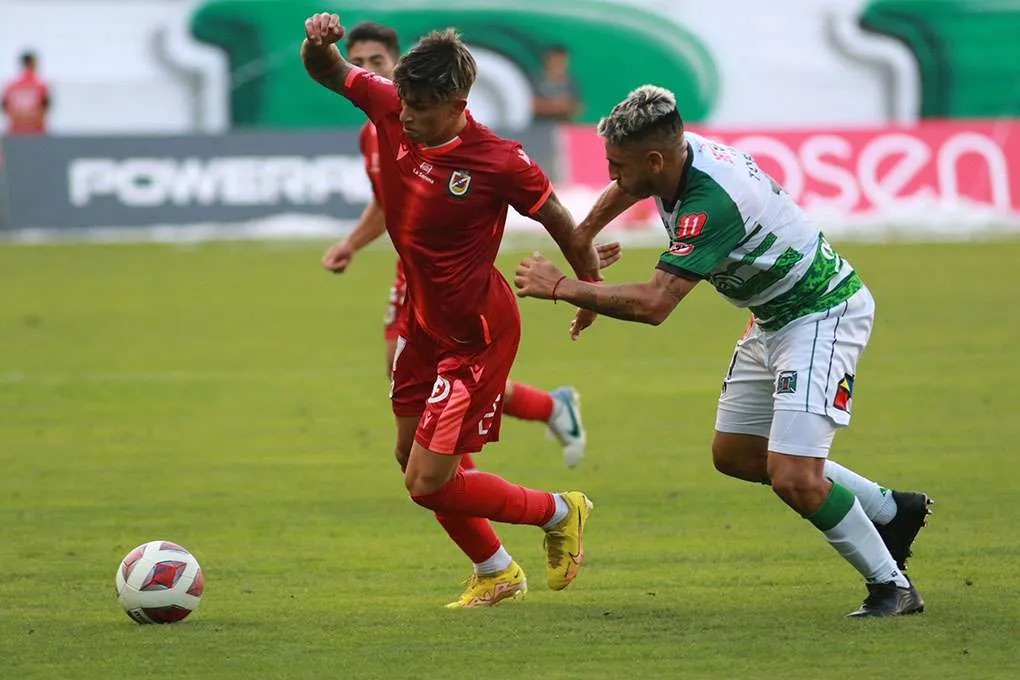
x=26, y=99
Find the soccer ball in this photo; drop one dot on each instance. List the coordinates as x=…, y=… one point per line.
x=159, y=582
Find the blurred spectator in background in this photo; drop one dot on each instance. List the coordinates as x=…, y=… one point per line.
x=26, y=100
x=556, y=94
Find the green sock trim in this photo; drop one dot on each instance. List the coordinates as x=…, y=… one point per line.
x=834, y=509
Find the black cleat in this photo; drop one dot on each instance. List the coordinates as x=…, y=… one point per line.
x=912, y=510
x=889, y=599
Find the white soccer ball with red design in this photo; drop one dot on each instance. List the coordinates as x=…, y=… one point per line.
x=159, y=582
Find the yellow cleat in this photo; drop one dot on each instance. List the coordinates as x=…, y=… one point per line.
x=564, y=543
x=487, y=590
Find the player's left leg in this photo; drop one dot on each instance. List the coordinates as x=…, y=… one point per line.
x=814, y=360
x=435, y=481
x=495, y=576
x=462, y=415
x=898, y=515
x=796, y=466
x=559, y=409
x=744, y=420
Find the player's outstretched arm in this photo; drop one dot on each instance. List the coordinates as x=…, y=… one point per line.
x=371, y=226
x=581, y=255
x=319, y=52
x=649, y=303
x=609, y=205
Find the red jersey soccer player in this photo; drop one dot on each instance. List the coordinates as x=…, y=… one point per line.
x=455, y=180
x=376, y=48
x=26, y=99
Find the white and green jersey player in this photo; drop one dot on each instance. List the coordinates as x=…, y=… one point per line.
x=761, y=251
x=789, y=385
x=735, y=227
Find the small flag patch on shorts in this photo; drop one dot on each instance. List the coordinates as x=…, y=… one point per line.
x=844, y=392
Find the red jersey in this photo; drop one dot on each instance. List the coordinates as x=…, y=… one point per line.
x=368, y=140
x=446, y=208
x=25, y=101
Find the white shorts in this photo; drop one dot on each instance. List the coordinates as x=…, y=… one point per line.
x=807, y=366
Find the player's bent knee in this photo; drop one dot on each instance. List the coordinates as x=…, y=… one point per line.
x=419, y=485
x=740, y=456
x=799, y=481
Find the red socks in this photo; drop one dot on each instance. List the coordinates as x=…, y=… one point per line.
x=473, y=535
x=480, y=494
x=528, y=403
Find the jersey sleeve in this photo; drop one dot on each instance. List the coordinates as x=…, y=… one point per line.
x=373, y=179
x=373, y=94
x=525, y=185
x=370, y=152
x=707, y=229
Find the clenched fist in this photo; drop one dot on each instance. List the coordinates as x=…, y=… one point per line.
x=323, y=29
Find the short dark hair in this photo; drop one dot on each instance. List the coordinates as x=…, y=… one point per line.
x=648, y=114
x=370, y=31
x=557, y=48
x=28, y=58
x=438, y=67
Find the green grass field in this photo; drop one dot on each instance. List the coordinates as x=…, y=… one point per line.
x=232, y=398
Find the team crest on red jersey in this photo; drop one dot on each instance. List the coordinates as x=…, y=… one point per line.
x=460, y=183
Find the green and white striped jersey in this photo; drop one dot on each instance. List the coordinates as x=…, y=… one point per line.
x=735, y=227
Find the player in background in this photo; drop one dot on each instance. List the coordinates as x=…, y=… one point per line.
x=455, y=180
x=790, y=382
x=375, y=48
x=26, y=100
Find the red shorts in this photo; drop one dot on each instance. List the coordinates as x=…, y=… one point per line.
x=397, y=311
x=457, y=395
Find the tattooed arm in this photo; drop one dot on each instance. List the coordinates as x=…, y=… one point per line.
x=647, y=303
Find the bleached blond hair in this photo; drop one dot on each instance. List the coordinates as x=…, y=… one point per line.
x=647, y=113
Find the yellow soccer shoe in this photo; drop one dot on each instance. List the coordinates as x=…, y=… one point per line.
x=487, y=590
x=564, y=543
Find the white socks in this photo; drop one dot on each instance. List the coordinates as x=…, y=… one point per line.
x=877, y=502
x=843, y=522
x=499, y=561
x=559, y=514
